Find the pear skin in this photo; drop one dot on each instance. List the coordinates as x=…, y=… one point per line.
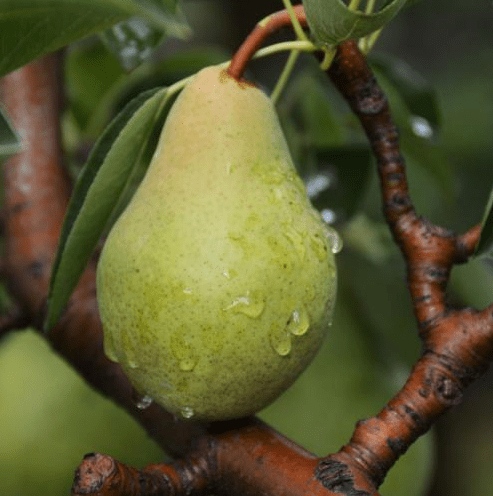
x=216, y=285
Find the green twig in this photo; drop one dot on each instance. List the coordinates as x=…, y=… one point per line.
x=303, y=46
x=283, y=78
x=300, y=34
x=328, y=58
x=354, y=5
x=370, y=6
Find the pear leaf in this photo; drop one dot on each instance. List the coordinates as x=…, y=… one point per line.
x=10, y=142
x=100, y=185
x=134, y=40
x=32, y=28
x=485, y=244
x=332, y=22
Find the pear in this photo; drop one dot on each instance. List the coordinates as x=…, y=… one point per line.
x=216, y=285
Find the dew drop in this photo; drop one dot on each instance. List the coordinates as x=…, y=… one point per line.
x=299, y=322
x=280, y=341
x=165, y=385
x=296, y=240
x=278, y=194
x=318, y=184
x=188, y=364
x=421, y=127
x=334, y=240
x=188, y=291
x=328, y=215
x=109, y=347
x=273, y=177
x=246, y=306
x=129, y=350
x=183, y=351
x=187, y=412
x=141, y=402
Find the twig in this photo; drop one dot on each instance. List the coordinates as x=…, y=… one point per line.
x=258, y=36
x=104, y=476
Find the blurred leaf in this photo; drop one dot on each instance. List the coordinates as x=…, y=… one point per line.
x=379, y=292
x=332, y=22
x=32, y=28
x=307, y=101
x=486, y=240
x=330, y=156
x=98, y=88
x=419, y=95
x=97, y=191
x=134, y=40
x=90, y=72
x=10, y=142
x=417, y=135
x=163, y=73
x=338, y=183
x=372, y=239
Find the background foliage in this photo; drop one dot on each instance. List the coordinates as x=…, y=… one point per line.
x=440, y=71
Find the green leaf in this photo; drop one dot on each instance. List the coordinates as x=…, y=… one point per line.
x=486, y=240
x=32, y=28
x=417, y=134
x=90, y=72
x=10, y=142
x=133, y=41
x=166, y=72
x=99, y=188
x=332, y=22
x=419, y=95
x=336, y=187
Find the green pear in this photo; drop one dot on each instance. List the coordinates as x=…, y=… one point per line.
x=216, y=285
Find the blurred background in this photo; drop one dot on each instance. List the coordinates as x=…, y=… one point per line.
x=435, y=63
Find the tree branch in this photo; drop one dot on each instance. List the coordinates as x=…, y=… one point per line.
x=457, y=344
x=244, y=456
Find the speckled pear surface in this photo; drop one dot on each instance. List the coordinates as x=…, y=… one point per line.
x=216, y=285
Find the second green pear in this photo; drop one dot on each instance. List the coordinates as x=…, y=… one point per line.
x=216, y=286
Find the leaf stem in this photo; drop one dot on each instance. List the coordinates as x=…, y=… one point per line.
x=328, y=58
x=354, y=5
x=370, y=6
x=300, y=34
x=303, y=46
x=283, y=78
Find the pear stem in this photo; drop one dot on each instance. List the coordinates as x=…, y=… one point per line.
x=257, y=37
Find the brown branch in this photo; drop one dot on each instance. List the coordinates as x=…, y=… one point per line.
x=457, y=344
x=101, y=474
